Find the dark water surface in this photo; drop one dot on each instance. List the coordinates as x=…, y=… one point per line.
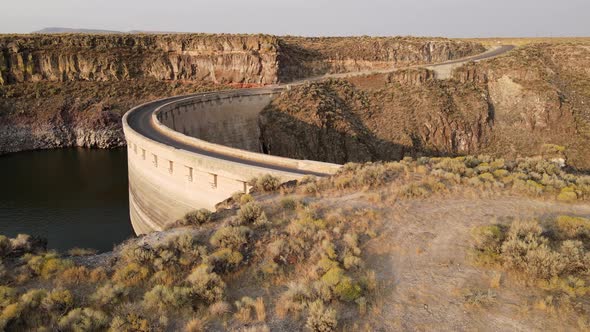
x=71, y=197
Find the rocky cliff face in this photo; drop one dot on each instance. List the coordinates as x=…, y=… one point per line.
x=70, y=90
x=60, y=58
x=303, y=57
x=540, y=95
x=337, y=122
x=46, y=115
x=217, y=58
x=100, y=130
x=512, y=106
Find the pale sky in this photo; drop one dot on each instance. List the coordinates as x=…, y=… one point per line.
x=451, y=18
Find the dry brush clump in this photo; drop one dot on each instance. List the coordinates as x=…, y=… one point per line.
x=550, y=255
x=422, y=177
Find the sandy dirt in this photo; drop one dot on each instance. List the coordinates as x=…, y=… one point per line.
x=421, y=258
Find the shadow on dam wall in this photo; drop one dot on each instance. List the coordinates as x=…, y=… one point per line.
x=231, y=122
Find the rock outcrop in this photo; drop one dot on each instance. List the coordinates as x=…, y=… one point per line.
x=517, y=105
x=336, y=122
x=540, y=95
x=303, y=57
x=59, y=58
x=257, y=59
x=94, y=129
x=47, y=115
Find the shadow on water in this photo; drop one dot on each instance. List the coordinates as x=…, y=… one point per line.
x=71, y=197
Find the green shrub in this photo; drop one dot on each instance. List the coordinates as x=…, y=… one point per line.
x=197, y=217
x=251, y=213
x=573, y=227
x=333, y=276
x=233, y=237
x=225, y=259
x=110, y=294
x=83, y=320
x=265, y=183
x=488, y=239
x=347, y=290
x=165, y=298
x=245, y=198
x=7, y=295
x=47, y=265
x=131, y=275
x=207, y=285
x=288, y=203
x=10, y=314
x=58, y=300
x=525, y=249
x=321, y=319
x=567, y=196
x=487, y=177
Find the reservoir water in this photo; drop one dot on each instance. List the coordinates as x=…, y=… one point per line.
x=71, y=197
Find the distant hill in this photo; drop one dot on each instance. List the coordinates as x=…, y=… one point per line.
x=70, y=30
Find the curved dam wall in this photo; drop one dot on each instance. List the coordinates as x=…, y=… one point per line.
x=218, y=138
x=230, y=119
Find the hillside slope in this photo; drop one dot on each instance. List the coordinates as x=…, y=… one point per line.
x=470, y=243
x=532, y=101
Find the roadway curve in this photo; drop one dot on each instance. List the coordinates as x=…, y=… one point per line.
x=140, y=119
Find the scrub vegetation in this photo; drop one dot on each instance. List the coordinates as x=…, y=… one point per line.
x=337, y=253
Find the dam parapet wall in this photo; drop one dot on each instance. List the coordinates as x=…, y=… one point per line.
x=197, y=165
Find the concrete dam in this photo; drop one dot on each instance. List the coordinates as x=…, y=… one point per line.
x=194, y=151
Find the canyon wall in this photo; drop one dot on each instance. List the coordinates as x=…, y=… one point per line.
x=532, y=101
x=301, y=57
x=337, y=122
x=216, y=58
x=43, y=115
x=259, y=59
x=71, y=89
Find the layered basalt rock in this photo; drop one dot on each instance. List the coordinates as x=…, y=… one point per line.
x=303, y=57
x=257, y=59
x=46, y=115
x=337, y=122
x=512, y=106
x=59, y=58
x=42, y=76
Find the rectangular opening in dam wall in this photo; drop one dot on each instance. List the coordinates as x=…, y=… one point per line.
x=213, y=181
x=155, y=160
x=170, y=166
x=143, y=154
x=189, y=174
